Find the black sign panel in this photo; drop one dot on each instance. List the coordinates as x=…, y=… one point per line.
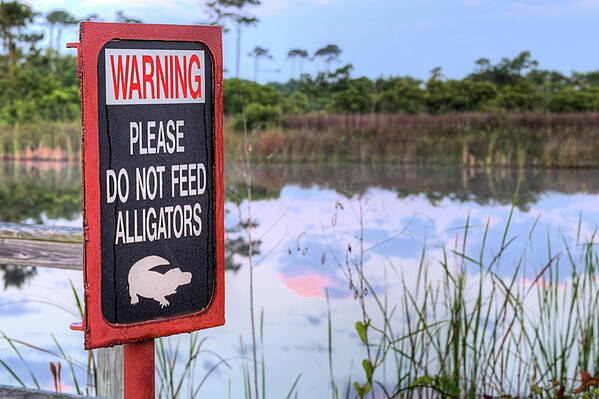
x=155, y=120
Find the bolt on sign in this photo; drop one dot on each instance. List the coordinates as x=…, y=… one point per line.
x=152, y=180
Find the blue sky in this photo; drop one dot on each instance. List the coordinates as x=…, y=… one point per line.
x=389, y=37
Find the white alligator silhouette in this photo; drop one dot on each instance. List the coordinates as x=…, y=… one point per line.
x=150, y=284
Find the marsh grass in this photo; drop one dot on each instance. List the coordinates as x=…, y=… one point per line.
x=460, y=329
x=56, y=141
x=87, y=387
x=254, y=378
x=177, y=373
x=176, y=365
x=470, y=139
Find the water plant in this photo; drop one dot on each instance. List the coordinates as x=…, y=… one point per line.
x=456, y=324
x=75, y=367
x=461, y=328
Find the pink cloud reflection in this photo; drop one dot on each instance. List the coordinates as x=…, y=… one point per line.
x=308, y=286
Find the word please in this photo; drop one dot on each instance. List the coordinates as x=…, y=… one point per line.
x=158, y=138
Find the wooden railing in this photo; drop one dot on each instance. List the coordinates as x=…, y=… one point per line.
x=42, y=246
x=22, y=393
x=57, y=247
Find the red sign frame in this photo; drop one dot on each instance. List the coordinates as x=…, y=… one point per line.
x=93, y=36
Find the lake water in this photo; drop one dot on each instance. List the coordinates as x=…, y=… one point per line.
x=302, y=212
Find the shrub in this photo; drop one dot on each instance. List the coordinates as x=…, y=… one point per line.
x=356, y=98
x=522, y=96
x=238, y=93
x=569, y=100
x=296, y=103
x=259, y=116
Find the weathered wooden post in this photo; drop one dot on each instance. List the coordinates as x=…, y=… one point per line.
x=110, y=372
x=152, y=187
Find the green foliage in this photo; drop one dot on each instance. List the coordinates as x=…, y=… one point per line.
x=362, y=390
x=238, y=94
x=438, y=95
x=506, y=72
x=569, y=100
x=355, y=99
x=35, y=84
x=43, y=86
x=471, y=95
x=549, y=82
x=40, y=84
x=522, y=96
x=511, y=84
x=14, y=17
x=296, y=103
x=442, y=384
x=361, y=330
x=259, y=116
x=401, y=95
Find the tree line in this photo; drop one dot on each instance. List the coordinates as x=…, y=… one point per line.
x=510, y=85
x=37, y=82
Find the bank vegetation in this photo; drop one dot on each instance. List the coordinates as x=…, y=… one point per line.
x=509, y=112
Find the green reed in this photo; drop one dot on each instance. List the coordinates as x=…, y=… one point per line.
x=48, y=140
x=469, y=139
x=89, y=366
x=459, y=329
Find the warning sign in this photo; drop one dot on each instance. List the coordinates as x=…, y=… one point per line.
x=159, y=180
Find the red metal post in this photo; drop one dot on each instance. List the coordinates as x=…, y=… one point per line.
x=138, y=367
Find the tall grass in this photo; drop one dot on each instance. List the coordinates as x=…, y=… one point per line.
x=458, y=329
x=422, y=123
x=86, y=387
x=462, y=330
x=56, y=141
x=254, y=381
x=177, y=371
x=176, y=366
x=472, y=139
